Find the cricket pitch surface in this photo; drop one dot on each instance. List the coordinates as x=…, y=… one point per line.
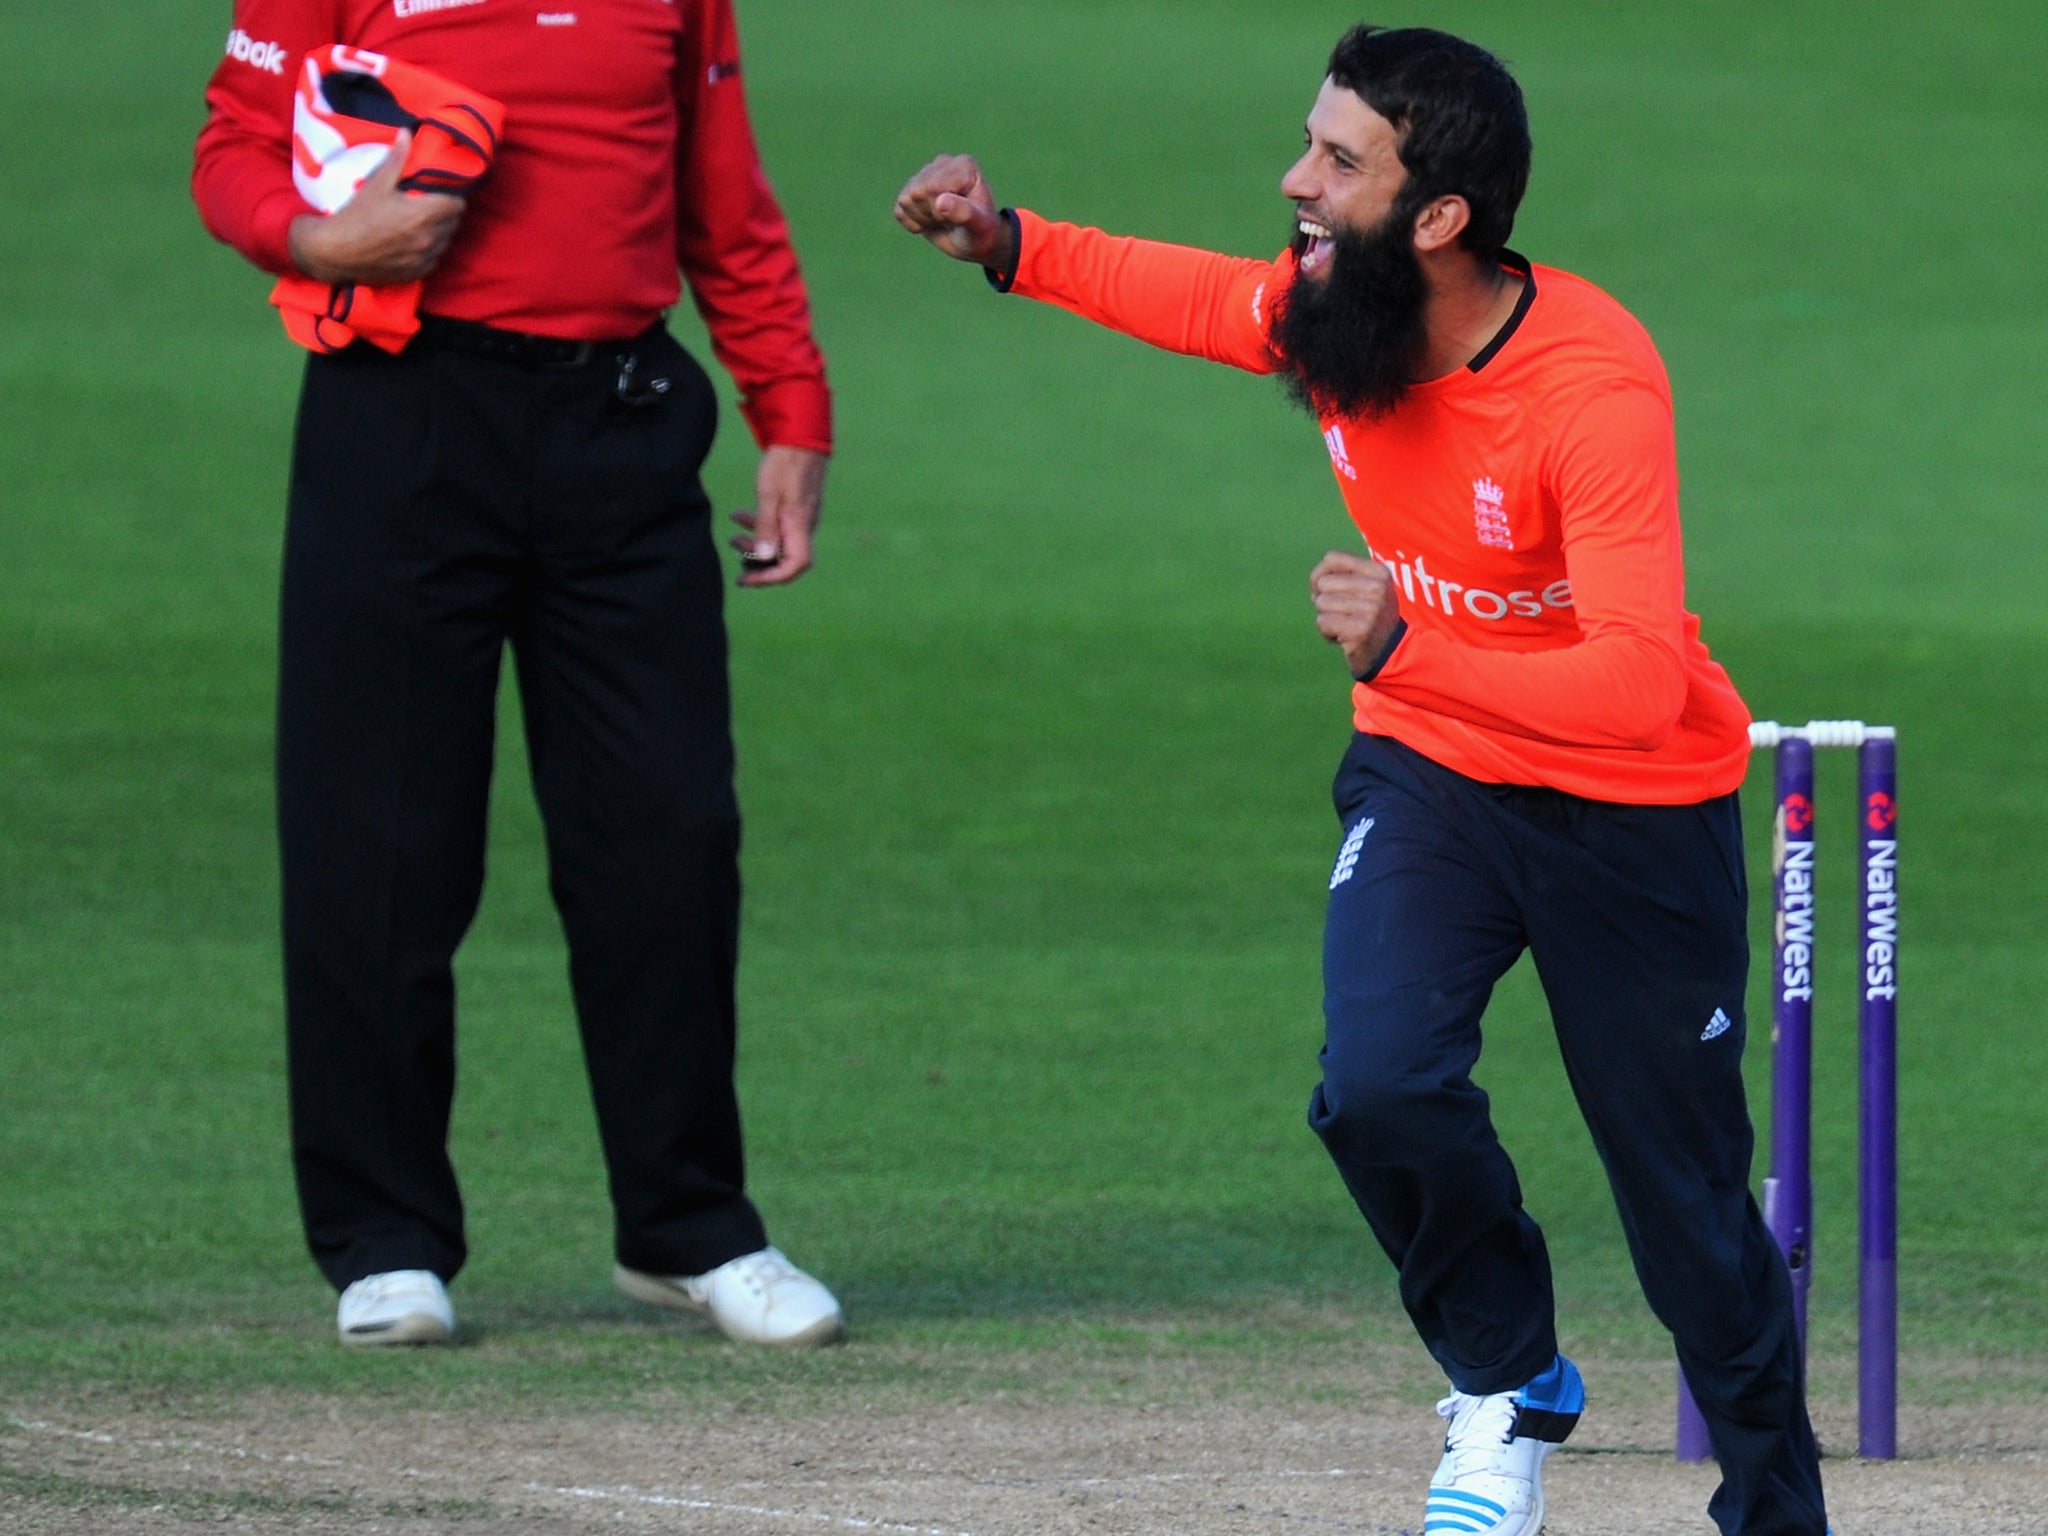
x=999, y=1468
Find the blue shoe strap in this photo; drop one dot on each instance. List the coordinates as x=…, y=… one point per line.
x=1548, y=1408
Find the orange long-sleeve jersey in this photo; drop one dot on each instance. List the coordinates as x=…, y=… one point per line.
x=1528, y=509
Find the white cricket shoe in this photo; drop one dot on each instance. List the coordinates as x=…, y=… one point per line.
x=759, y=1298
x=1490, y=1482
x=400, y=1306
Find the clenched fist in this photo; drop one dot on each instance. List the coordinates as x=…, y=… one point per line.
x=1356, y=608
x=950, y=204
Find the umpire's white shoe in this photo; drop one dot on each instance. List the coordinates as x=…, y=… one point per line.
x=759, y=1298
x=1490, y=1482
x=400, y=1306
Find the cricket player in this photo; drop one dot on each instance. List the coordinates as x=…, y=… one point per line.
x=1545, y=757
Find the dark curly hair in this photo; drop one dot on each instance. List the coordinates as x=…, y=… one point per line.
x=1460, y=125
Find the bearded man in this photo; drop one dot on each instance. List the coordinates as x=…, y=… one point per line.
x=1544, y=756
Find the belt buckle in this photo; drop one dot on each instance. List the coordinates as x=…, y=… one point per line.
x=578, y=354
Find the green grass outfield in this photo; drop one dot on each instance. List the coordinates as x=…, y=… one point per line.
x=1035, y=763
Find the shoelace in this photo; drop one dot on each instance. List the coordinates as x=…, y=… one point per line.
x=1479, y=1427
x=765, y=1270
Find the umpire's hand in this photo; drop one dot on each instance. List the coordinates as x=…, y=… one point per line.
x=789, y=494
x=381, y=235
x=1355, y=606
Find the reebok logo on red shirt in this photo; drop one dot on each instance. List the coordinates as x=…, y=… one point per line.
x=244, y=49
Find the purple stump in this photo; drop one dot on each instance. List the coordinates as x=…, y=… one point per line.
x=1693, y=1444
x=1788, y=1191
x=1877, y=1290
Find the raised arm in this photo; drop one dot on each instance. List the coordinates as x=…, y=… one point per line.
x=1180, y=299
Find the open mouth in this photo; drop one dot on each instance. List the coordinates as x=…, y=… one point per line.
x=1313, y=245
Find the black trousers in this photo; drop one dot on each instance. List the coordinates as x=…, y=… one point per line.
x=442, y=505
x=1636, y=917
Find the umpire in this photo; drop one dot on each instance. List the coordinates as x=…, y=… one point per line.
x=524, y=472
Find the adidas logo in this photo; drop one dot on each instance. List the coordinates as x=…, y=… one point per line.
x=1333, y=439
x=1347, y=856
x=1717, y=1026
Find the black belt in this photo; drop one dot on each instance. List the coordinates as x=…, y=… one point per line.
x=521, y=347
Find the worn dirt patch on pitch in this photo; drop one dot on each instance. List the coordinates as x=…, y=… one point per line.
x=976, y=1470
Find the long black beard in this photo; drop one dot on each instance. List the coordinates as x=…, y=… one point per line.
x=1352, y=340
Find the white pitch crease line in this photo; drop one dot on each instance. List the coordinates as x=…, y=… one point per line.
x=1281, y=1474
x=1161, y=1477
x=712, y=1506
x=852, y=1522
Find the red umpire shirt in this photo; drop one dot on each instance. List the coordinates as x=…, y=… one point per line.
x=625, y=116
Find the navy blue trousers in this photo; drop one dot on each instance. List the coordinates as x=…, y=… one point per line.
x=1636, y=918
x=444, y=507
